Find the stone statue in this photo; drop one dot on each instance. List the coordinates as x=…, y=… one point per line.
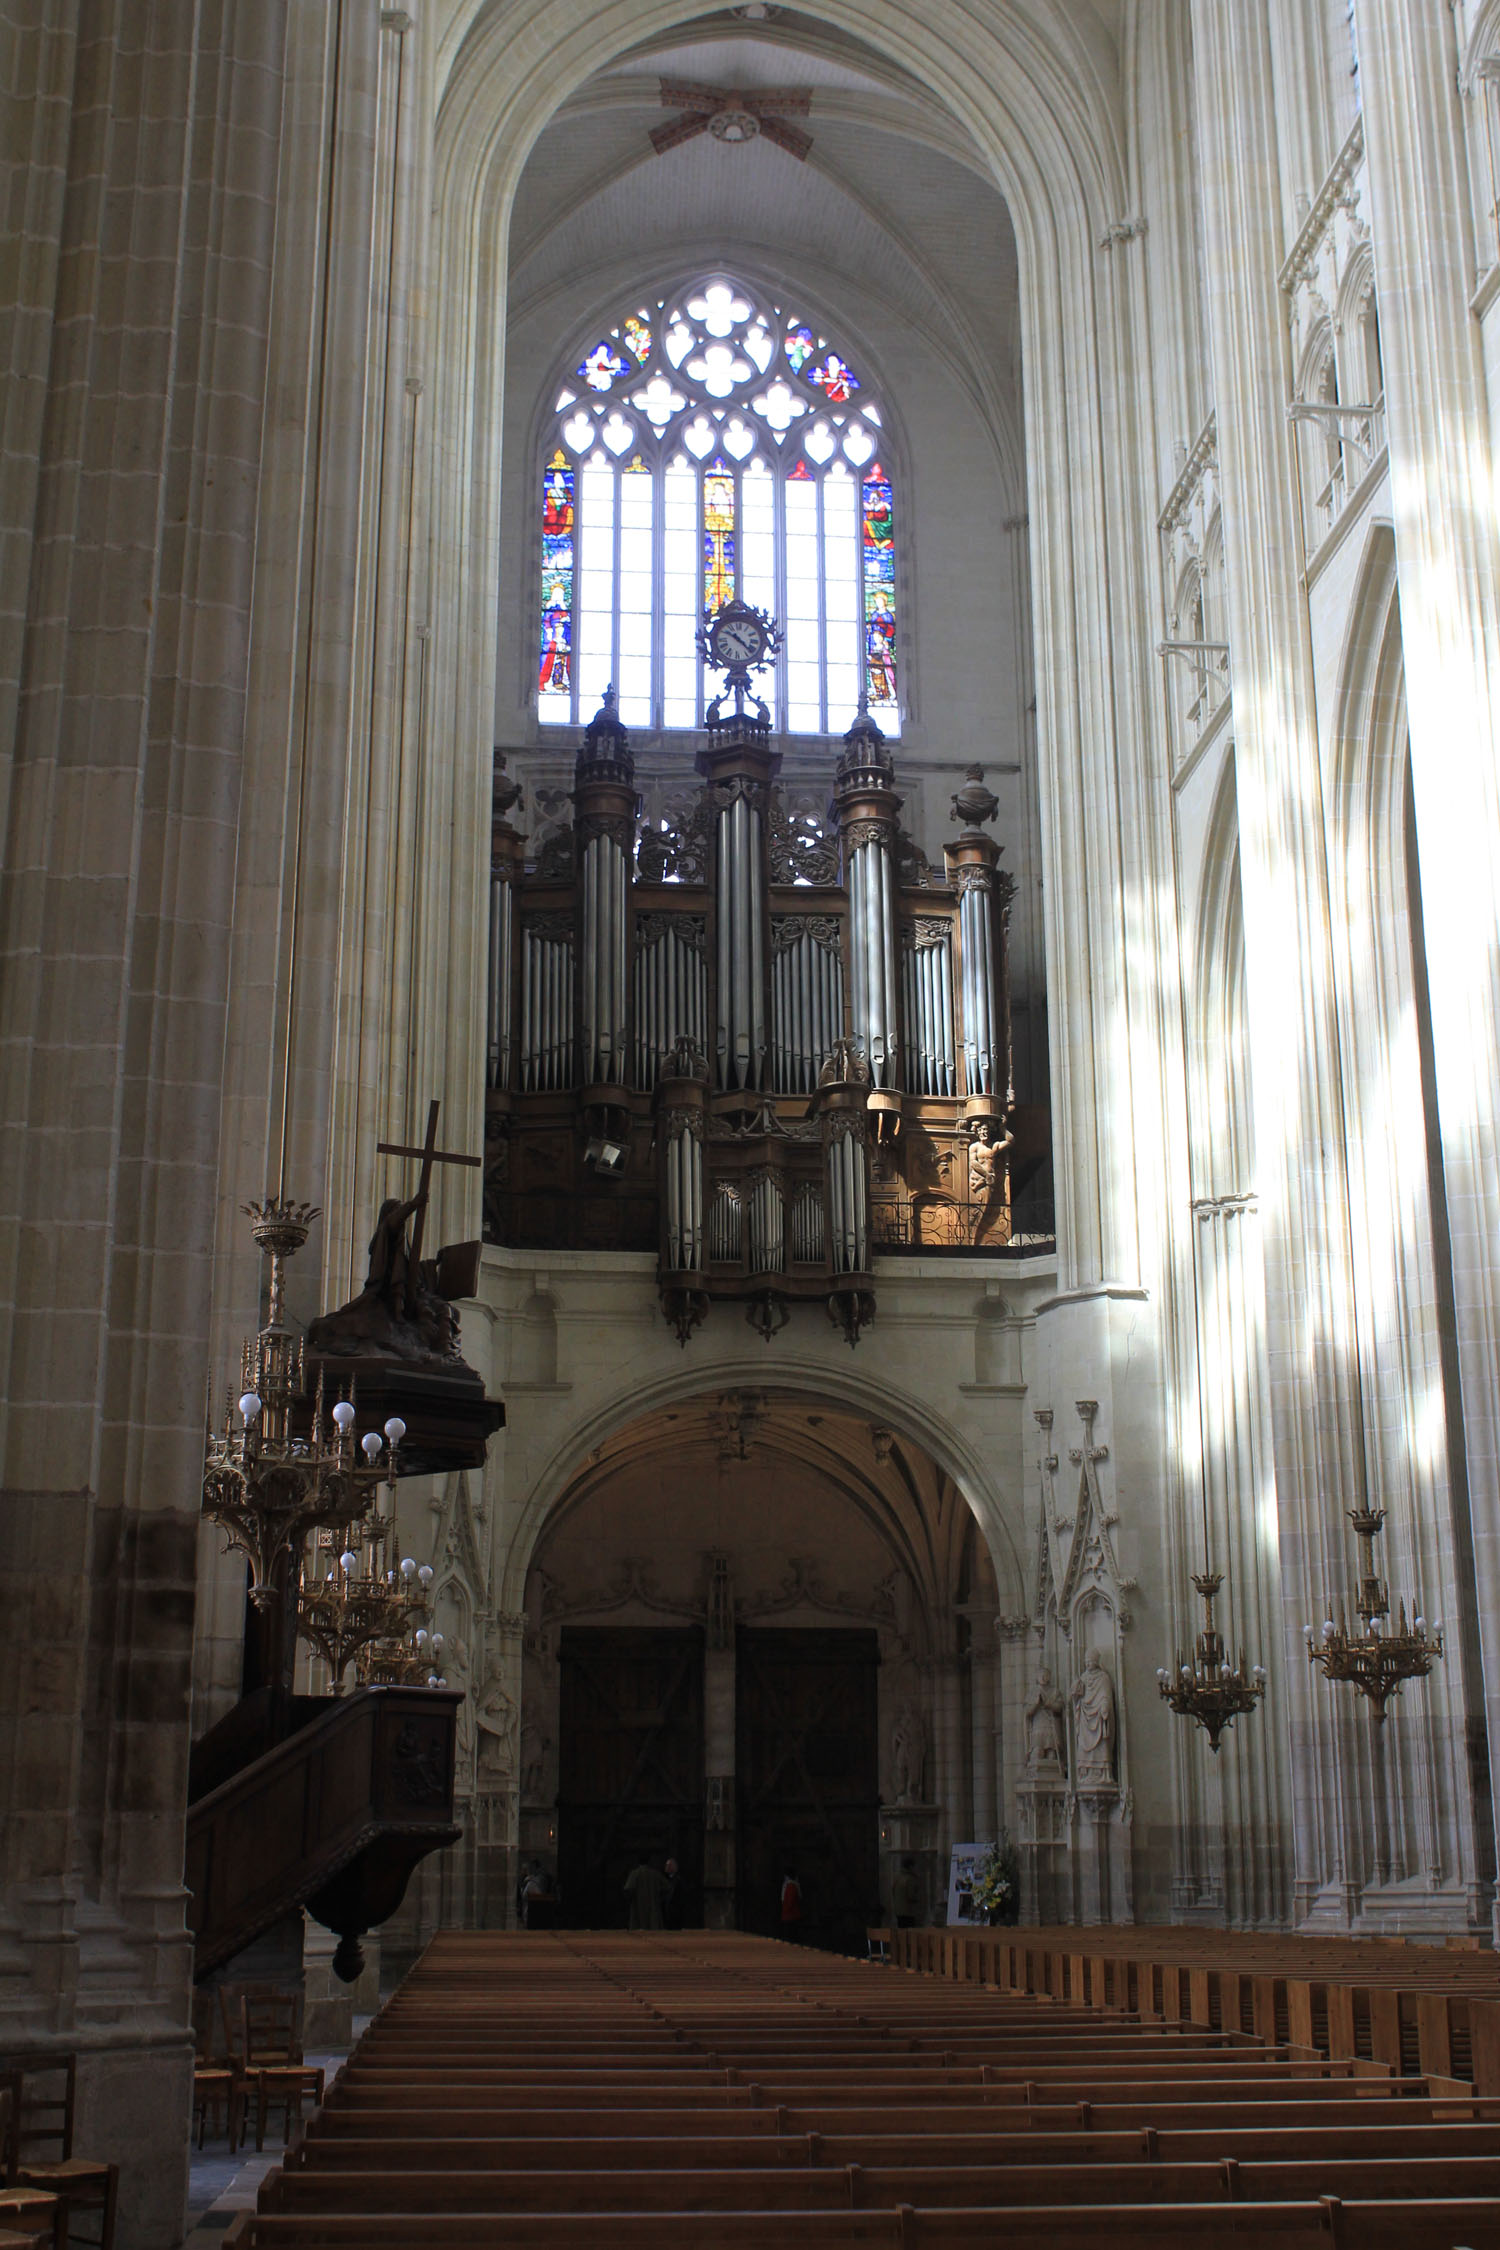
x=455, y=1666
x=984, y=1162
x=495, y=1716
x=1094, y=1724
x=404, y=1312
x=908, y=1755
x=1044, y=1729
x=387, y=1273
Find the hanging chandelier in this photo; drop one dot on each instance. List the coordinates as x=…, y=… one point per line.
x=1376, y=1661
x=273, y=1475
x=359, y=1608
x=1206, y=1686
x=412, y=1662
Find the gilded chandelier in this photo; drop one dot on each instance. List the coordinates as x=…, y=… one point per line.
x=1377, y=1662
x=270, y=1479
x=358, y=1608
x=1206, y=1686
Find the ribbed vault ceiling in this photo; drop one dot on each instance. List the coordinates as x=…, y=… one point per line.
x=891, y=207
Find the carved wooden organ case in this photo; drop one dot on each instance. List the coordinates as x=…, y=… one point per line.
x=763, y=1050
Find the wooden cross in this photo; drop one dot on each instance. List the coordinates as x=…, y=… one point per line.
x=430, y=1154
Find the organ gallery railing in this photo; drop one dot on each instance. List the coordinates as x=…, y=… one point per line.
x=762, y=1048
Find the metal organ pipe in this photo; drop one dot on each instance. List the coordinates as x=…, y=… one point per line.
x=981, y=994
x=546, y=1010
x=604, y=889
x=501, y=943
x=807, y=1004
x=767, y=1226
x=684, y=1184
x=670, y=992
x=872, y=926
x=928, y=985
x=741, y=1030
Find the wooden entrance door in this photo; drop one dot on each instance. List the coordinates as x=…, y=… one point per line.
x=808, y=1780
x=631, y=1770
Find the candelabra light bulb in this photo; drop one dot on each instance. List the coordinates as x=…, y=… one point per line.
x=408, y=1567
x=371, y=1443
x=343, y=1415
x=395, y=1429
x=348, y=1561
x=1307, y=1635
x=437, y=1642
x=249, y=1406
x=1329, y=1629
x=425, y=1575
x=433, y=1680
x=1259, y=1673
x=422, y=1636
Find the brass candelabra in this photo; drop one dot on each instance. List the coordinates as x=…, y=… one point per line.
x=1376, y=1661
x=267, y=1481
x=360, y=1608
x=1205, y=1686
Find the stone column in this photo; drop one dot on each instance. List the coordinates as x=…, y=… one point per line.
x=982, y=1669
x=1443, y=487
x=156, y=143
x=1301, y=1163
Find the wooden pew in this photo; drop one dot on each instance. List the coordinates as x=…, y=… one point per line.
x=1313, y=2225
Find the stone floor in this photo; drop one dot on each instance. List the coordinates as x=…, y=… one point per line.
x=219, y=2184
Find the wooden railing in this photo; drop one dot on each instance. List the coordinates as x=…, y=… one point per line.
x=334, y=1819
x=1402, y=2008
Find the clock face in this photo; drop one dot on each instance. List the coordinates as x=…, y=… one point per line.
x=738, y=640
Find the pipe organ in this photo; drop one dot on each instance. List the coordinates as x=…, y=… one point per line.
x=769, y=1051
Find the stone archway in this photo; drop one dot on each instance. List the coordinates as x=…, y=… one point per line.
x=809, y=1591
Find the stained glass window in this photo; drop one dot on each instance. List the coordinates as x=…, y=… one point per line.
x=880, y=589
x=834, y=378
x=720, y=445
x=601, y=368
x=718, y=537
x=555, y=684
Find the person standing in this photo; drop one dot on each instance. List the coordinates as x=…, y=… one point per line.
x=671, y=1912
x=791, y=1907
x=538, y=1899
x=646, y=1888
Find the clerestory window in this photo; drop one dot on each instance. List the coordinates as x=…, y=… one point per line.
x=709, y=445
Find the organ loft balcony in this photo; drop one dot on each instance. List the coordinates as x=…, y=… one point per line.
x=767, y=1049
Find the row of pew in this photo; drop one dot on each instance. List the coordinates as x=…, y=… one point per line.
x=1416, y=2007
x=614, y=2089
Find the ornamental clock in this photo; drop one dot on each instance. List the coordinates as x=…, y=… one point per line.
x=737, y=641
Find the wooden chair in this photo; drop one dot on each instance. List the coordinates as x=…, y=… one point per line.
x=270, y=2055
x=23, y=2209
x=44, y=2089
x=216, y=2083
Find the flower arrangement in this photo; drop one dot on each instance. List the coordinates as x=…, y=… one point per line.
x=997, y=1882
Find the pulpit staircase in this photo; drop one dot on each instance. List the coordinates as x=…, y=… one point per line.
x=323, y=1802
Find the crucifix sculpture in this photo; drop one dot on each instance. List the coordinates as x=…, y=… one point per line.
x=428, y=1153
x=395, y=1347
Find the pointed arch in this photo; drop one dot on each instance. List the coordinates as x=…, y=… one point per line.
x=1435, y=1824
